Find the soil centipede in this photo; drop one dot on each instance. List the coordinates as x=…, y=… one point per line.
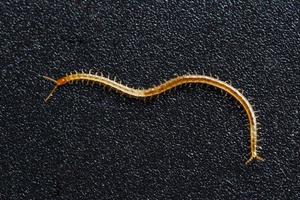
x=162, y=88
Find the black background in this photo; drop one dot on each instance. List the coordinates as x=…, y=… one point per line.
x=192, y=143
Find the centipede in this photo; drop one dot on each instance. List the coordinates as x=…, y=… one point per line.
x=138, y=93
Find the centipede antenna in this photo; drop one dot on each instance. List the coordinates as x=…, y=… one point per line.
x=51, y=93
x=49, y=79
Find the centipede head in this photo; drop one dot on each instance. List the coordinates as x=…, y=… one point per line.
x=54, y=89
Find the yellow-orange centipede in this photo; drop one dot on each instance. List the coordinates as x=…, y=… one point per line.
x=168, y=85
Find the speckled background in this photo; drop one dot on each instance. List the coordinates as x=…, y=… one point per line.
x=192, y=143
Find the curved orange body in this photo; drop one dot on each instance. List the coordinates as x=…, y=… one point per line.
x=168, y=85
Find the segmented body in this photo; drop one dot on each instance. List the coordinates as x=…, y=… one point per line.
x=168, y=85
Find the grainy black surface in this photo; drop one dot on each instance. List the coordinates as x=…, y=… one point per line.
x=89, y=143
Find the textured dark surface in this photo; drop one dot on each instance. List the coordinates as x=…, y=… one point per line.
x=89, y=143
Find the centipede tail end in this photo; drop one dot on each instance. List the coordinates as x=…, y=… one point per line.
x=254, y=158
